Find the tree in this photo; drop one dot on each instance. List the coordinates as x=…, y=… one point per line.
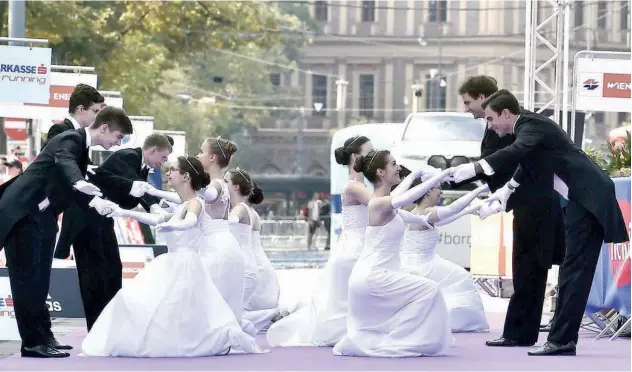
x=131, y=43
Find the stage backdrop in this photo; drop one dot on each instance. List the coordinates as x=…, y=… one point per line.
x=611, y=284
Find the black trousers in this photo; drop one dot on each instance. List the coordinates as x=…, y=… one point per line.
x=29, y=253
x=522, y=322
x=99, y=265
x=584, y=237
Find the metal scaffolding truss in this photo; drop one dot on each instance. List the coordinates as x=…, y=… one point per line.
x=556, y=54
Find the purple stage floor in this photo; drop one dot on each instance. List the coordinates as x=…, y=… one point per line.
x=468, y=354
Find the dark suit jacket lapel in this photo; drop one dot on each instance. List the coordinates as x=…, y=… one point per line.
x=86, y=152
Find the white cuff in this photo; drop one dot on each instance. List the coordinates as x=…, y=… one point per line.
x=486, y=168
x=513, y=183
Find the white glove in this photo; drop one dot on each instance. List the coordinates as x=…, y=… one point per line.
x=103, y=207
x=429, y=170
x=87, y=188
x=501, y=195
x=117, y=212
x=139, y=188
x=91, y=168
x=462, y=172
x=488, y=210
x=164, y=227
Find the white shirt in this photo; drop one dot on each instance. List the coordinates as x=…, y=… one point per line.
x=558, y=185
x=74, y=122
x=314, y=210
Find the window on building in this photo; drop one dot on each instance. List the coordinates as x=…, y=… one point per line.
x=367, y=93
x=438, y=11
x=625, y=15
x=579, y=12
x=368, y=11
x=602, y=14
x=623, y=118
x=436, y=93
x=320, y=10
x=275, y=79
x=319, y=94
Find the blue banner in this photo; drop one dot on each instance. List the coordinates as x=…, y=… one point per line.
x=611, y=284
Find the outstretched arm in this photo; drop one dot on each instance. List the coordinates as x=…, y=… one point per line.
x=192, y=210
x=150, y=219
x=409, y=217
x=443, y=213
x=472, y=209
x=418, y=191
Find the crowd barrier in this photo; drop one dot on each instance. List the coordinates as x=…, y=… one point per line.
x=286, y=234
x=611, y=284
x=64, y=298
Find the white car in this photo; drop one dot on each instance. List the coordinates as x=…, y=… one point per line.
x=439, y=139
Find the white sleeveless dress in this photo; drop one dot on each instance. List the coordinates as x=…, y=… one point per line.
x=465, y=307
x=323, y=321
x=264, y=304
x=170, y=309
x=243, y=234
x=222, y=256
x=392, y=313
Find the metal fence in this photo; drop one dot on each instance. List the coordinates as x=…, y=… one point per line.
x=290, y=234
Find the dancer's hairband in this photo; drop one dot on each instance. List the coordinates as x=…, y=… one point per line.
x=220, y=146
x=374, y=155
x=351, y=143
x=243, y=175
x=187, y=159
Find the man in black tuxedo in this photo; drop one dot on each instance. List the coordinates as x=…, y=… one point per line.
x=85, y=102
x=542, y=150
x=29, y=206
x=538, y=228
x=96, y=250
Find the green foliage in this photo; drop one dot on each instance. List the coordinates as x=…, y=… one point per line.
x=619, y=165
x=618, y=162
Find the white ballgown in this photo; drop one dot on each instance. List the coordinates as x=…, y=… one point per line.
x=392, y=313
x=222, y=256
x=170, y=309
x=243, y=234
x=465, y=307
x=264, y=304
x=323, y=321
x=464, y=303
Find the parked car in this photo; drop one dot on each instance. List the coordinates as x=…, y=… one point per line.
x=439, y=139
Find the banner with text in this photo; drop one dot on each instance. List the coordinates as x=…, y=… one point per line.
x=24, y=74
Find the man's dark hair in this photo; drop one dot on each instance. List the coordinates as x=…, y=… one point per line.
x=84, y=95
x=478, y=85
x=171, y=142
x=115, y=118
x=503, y=99
x=158, y=140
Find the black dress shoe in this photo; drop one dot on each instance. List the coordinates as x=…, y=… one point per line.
x=552, y=348
x=43, y=351
x=55, y=344
x=505, y=342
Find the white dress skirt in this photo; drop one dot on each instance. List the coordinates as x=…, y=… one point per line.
x=170, y=309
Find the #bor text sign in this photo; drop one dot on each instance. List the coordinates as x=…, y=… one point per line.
x=603, y=84
x=24, y=74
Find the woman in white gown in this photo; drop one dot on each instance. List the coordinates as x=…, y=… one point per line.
x=240, y=187
x=171, y=309
x=465, y=307
x=264, y=304
x=392, y=313
x=220, y=253
x=323, y=321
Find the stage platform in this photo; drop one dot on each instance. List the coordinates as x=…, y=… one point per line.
x=469, y=353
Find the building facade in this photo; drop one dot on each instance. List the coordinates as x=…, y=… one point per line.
x=382, y=48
